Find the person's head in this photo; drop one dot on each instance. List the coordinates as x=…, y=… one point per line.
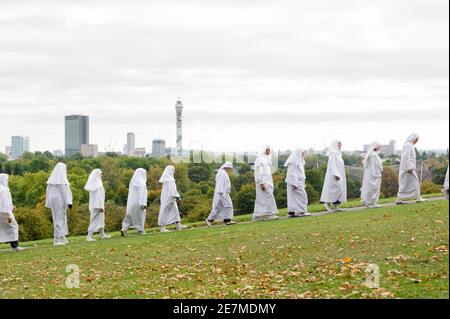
x=377, y=148
x=267, y=151
x=340, y=145
x=228, y=166
x=416, y=140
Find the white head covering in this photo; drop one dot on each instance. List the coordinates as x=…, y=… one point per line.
x=139, y=178
x=94, y=181
x=334, y=148
x=4, y=181
x=263, y=158
x=296, y=158
x=226, y=165
x=167, y=175
x=412, y=137
x=369, y=153
x=59, y=175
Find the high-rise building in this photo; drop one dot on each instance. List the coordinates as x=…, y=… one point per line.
x=8, y=151
x=179, y=109
x=158, y=148
x=89, y=150
x=19, y=145
x=77, y=133
x=131, y=144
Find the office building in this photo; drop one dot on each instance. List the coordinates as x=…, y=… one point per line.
x=19, y=145
x=158, y=148
x=76, y=133
x=89, y=150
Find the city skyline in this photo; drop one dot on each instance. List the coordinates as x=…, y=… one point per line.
x=276, y=75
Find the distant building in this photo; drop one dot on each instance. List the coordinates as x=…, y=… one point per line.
x=58, y=153
x=19, y=145
x=179, y=110
x=159, y=148
x=89, y=150
x=131, y=144
x=390, y=149
x=76, y=133
x=8, y=151
x=139, y=152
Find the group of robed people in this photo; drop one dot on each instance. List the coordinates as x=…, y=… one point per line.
x=334, y=194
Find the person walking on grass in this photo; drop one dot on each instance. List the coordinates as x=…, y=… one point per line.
x=96, y=191
x=265, y=204
x=9, y=229
x=136, y=203
x=58, y=199
x=445, y=189
x=297, y=198
x=373, y=168
x=222, y=206
x=169, y=213
x=409, y=183
x=335, y=186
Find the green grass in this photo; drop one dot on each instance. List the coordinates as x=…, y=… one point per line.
x=315, y=257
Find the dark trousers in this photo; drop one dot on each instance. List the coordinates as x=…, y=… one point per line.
x=14, y=244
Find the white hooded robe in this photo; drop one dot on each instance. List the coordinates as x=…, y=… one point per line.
x=58, y=197
x=222, y=206
x=335, y=190
x=295, y=179
x=9, y=232
x=373, y=168
x=137, y=198
x=409, y=183
x=96, y=191
x=265, y=204
x=168, y=212
x=446, y=182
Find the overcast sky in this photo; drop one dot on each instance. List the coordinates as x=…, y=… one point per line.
x=287, y=72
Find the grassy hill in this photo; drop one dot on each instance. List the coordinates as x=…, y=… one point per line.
x=315, y=257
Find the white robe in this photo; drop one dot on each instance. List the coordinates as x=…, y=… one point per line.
x=57, y=199
x=168, y=212
x=371, y=186
x=8, y=232
x=222, y=206
x=96, y=204
x=297, y=199
x=334, y=190
x=446, y=181
x=265, y=204
x=137, y=197
x=409, y=184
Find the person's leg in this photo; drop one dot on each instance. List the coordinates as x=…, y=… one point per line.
x=89, y=236
x=103, y=235
x=179, y=226
x=14, y=244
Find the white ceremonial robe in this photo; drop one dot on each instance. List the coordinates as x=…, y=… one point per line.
x=136, y=215
x=222, y=206
x=96, y=204
x=57, y=199
x=265, y=204
x=371, y=186
x=409, y=184
x=168, y=212
x=8, y=232
x=446, y=182
x=334, y=190
x=297, y=198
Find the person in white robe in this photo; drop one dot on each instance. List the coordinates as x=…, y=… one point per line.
x=222, y=206
x=96, y=191
x=265, y=204
x=373, y=168
x=58, y=199
x=136, y=203
x=297, y=198
x=9, y=229
x=168, y=212
x=335, y=185
x=445, y=190
x=409, y=182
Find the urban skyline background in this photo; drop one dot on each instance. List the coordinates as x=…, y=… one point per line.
x=248, y=73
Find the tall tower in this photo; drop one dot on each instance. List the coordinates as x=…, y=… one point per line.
x=179, y=109
x=77, y=133
x=131, y=144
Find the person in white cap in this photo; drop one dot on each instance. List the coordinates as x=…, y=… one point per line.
x=96, y=191
x=409, y=183
x=373, y=168
x=297, y=198
x=136, y=203
x=9, y=229
x=222, y=206
x=265, y=204
x=445, y=189
x=58, y=199
x=335, y=185
x=169, y=213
